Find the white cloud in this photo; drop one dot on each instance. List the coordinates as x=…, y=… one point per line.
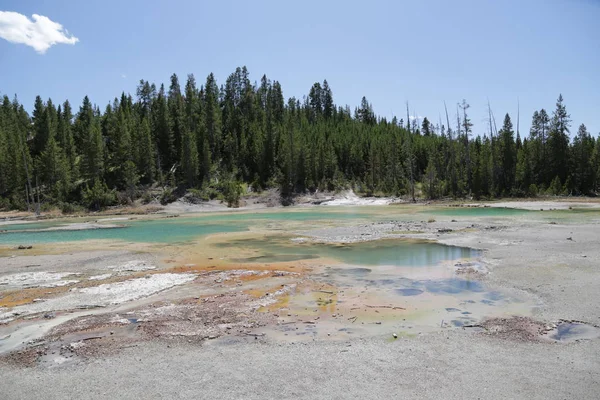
x=413, y=117
x=123, y=76
x=41, y=33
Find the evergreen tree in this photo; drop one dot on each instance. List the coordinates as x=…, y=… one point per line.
x=83, y=122
x=90, y=133
x=544, y=124
x=146, y=94
x=315, y=98
x=212, y=119
x=558, y=142
x=426, y=127
x=40, y=126
x=431, y=180
x=177, y=119
x=507, y=150
x=524, y=169
x=365, y=113
x=196, y=162
x=65, y=138
x=146, y=156
x=53, y=169
x=582, y=165
x=162, y=131
x=327, y=100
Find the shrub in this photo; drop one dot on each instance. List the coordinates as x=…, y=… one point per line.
x=211, y=193
x=555, y=187
x=533, y=190
x=124, y=198
x=195, y=196
x=147, y=198
x=4, y=204
x=167, y=196
x=232, y=192
x=339, y=181
x=18, y=203
x=255, y=185
x=47, y=207
x=98, y=196
x=69, y=208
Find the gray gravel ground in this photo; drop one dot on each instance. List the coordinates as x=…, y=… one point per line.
x=86, y=262
x=447, y=365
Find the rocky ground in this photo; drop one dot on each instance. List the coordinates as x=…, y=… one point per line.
x=211, y=345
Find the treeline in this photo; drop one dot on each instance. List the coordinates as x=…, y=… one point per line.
x=214, y=140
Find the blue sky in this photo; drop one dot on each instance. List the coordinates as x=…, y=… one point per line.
x=424, y=52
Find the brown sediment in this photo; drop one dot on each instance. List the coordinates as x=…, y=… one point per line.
x=516, y=328
x=326, y=298
x=27, y=357
x=208, y=265
x=470, y=273
x=257, y=293
x=189, y=320
x=281, y=302
x=20, y=297
x=278, y=302
x=388, y=307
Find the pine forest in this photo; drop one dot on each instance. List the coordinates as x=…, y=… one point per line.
x=221, y=141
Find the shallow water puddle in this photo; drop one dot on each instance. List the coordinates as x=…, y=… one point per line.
x=169, y=230
x=574, y=331
x=377, y=287
x=353, y=309
x=151, y=231
x=477, y=211
x=394, y=252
